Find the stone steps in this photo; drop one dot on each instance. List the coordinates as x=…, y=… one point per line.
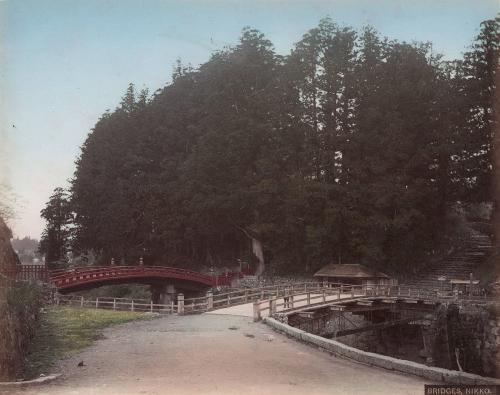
x=458, y=266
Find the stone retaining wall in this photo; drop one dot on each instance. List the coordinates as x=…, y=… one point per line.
x=434, y=374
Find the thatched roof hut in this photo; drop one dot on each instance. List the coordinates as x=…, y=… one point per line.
x=351, y=273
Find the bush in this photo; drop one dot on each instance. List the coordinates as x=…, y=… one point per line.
x=20, y=305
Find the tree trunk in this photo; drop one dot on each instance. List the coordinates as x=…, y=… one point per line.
x=259, y=253
x=496, y=166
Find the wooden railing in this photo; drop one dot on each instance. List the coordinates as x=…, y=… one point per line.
x=269, y=300
x=315, y=297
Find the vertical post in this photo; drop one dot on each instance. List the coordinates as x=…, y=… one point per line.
x=246, y=295
x=81, y=301
x=341, y=288
x=256, y=311
x=180, y=304
x=228, y=299
x=277, y=290
x=132, y=305
x=338, y=293
x=114, y=304
x=324, y=295
x=57, y=300
x=305, y=287
x=352, y=291
x=272, y=306
x=471, y=276
x=151, y=306
x=210, y=300
x=399, y=290
x=262, y=294
x=172, y=307
x=308, y=298
x=96, y=303
x=291, y=301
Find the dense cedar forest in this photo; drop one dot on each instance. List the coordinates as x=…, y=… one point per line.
x=353, y=148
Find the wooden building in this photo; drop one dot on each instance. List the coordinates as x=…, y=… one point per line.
x=354, y=274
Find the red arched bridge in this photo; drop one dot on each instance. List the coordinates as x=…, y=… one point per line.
x=90, y=277
x=82, y=278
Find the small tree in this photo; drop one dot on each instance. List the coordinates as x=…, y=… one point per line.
x=55, y=239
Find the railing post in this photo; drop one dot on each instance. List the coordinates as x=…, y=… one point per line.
x=132, y=305
x=228, y=299
x=96, y=303
x=324, y=295
x=399, y=290
x=272, y=306
x=151, y=306
x=261, y=294
x=210, y=300
x=291, y=301
x=114, y=304
x=338, y=293
x=172, y=307
x=180, y=304
x=341, y=288
x=256, y=311
x=352, y=291
x=81, y=301
x=246, y=295
x=308, y=298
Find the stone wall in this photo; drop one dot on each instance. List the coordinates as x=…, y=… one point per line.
x=339, y=349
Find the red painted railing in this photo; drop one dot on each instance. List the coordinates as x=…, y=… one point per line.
x=83, y=276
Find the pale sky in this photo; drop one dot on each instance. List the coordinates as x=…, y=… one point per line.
x=64, y=62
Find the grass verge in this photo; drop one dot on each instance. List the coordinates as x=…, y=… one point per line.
x=66, y=330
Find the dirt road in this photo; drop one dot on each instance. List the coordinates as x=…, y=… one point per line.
x=214, y=354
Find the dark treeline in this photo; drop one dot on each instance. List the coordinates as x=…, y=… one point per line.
x=353, y=148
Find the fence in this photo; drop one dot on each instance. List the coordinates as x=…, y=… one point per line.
x=26, y=272
x=269, y=300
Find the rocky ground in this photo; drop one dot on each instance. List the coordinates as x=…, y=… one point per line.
x=214, y=354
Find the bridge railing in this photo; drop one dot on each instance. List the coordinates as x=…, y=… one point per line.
x=269, y=300
x=313, y=297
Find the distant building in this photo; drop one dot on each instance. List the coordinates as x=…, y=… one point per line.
x=353, y=274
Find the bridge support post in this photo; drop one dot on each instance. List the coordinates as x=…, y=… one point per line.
x=272, y=306
x=256, y=311
x=162, y=294
x=210, y=300
x=180, y=304
x=308, y=298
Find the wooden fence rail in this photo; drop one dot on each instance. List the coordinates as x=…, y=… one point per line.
x=267, y=299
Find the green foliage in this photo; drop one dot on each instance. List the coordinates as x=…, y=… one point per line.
x=20, y=304
x=353, y=148
x=55, y=240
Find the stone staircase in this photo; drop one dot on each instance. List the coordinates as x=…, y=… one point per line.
x=457, y=266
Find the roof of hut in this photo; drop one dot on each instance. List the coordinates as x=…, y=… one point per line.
x=349, y=271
